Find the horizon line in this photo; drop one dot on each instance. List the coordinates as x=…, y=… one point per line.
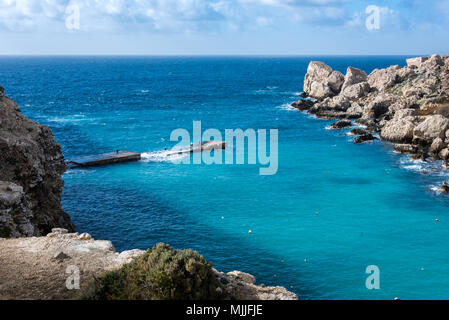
x=213, y=55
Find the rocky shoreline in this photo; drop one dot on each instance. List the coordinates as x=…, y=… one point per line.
x=43, y=263
x=407, y=106
x=37, y=238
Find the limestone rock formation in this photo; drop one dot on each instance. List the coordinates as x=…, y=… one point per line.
x=321, y=82
x=400, y=131
x=354, y=76
x=408, y=106
x=31, y=165
x=432, y=127
x=242, y=286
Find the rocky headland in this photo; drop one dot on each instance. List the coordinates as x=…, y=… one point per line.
x=31, y=165
x=38, y=243
x=407, y=106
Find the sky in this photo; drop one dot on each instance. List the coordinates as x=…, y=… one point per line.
x=220, y=27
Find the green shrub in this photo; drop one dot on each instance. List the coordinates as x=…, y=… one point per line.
x=160, y=274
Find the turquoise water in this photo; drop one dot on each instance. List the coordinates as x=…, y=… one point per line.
x=374, y=207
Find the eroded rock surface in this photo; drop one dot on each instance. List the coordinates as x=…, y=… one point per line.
x=408, y=106
x=31, y=165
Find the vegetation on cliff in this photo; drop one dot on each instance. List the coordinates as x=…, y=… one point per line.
x=160, y=274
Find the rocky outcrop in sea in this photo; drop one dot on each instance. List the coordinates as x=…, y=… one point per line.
x=31, y=165
x=407, y=106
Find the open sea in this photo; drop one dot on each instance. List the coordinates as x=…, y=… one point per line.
x=332, y=210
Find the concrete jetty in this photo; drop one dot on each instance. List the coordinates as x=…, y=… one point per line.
x=208, y=145
x=104, y=159
x=199, y=147
x=126, y=156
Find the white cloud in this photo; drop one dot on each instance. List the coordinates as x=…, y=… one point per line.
x=180, y=16
x=389, y=19
x=263, y=21
x=169, y=14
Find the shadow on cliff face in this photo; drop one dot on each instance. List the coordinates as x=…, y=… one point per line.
x=31, y=165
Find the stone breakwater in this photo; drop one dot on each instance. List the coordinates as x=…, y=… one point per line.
x=43, y=264
x=407, y=106
x=31, y=165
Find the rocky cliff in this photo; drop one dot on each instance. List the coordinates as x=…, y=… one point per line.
x=31, y=165
x=406, y=106
x=47, y=262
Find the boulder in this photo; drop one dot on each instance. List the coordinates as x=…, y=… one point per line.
x=354, y=76
x=444, y=154
x=303, y=104
x=357, y=132
x=85, y=237
x=400, y=131
x=432, y=127
x=364, y=138
x=341, y=124
x=321, y=81
x=405, y=148
x=340, y=103
x=315, y=83
x=320, y=90
x=437, y=145
x=417, y=62
x=355, y=111
x=434, y=62
x=384, y=78
x=356, y=91
x=335, y=81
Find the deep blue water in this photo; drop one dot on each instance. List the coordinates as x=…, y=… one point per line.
x=374, y=207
